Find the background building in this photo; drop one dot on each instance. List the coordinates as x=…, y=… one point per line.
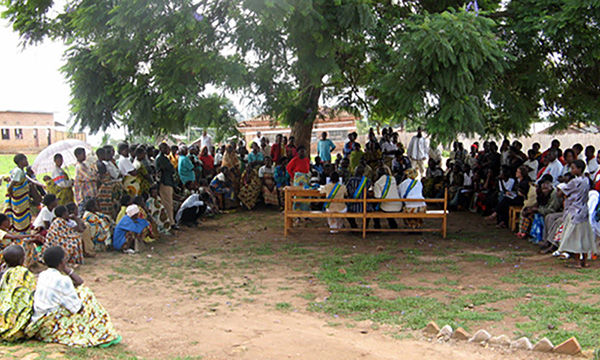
x=337, y=124
x=31, y=132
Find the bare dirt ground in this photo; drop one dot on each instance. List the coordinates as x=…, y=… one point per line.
x=235, y=288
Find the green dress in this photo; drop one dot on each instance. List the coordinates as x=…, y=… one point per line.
x=16, y=302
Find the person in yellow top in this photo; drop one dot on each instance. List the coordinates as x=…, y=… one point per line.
x=335, y=190
x=173, y=157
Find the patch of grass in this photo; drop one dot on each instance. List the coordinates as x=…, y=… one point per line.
x=307, y=296
x=295, y=249
x=283, y=306
x=489, y=260
x=529, y=277
x=562, y=314
x=284, y=288
x=445, y=281
x=351, y=269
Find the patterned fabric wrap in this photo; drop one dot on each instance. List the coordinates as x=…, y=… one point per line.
x=537, y=228
x=250, y=188
x=17, y=206
x=105, y=194
x=271, y=197
x=84, y=184
x=159, y=214
x=302, y=180
x=142, y=180
x=90, y=327
x=131, y=185
x=100, y=226
x=416, y=222
x=64, y=195
x=354, y=188
x=60, y=234
x=16, y=302
x=525, y=224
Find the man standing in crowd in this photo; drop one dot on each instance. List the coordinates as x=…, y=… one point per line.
x=206, y=141
x=165, y=171
x=418, y=151
x=325, y=147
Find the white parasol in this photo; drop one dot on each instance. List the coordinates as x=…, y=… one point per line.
x=44, y=162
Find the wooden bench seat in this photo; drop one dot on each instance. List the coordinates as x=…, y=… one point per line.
x=298, y=195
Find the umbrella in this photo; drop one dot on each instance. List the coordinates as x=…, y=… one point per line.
x=44, y=162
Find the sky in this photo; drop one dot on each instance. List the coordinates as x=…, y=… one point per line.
x=30, y=79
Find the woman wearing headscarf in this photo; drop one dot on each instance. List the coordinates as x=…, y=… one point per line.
x=412, y=188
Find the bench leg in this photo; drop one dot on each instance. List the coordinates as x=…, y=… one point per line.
x=444, y=227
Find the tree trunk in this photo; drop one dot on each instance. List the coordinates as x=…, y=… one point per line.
x=303, y=119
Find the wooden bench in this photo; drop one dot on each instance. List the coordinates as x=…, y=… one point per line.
x=514, y=213
x=294, y=194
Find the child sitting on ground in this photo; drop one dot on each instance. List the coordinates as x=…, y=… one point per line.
x=42, y=221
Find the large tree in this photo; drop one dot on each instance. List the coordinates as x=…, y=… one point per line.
x=457, y=67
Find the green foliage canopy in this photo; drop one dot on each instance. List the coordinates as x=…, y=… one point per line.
x=152, y=64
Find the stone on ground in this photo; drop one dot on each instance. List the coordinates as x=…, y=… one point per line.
x=521, y=344
x=543, y=345
x=446, y=332
x=569, y=347
x=501, y=340
x=480, y=336
x=461, y=334
x=431, y=329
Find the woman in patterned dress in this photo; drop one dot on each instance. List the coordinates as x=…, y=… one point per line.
x=85, y=183
x=61, y=234
x=63, y=186
x=250, y=188
x=17, y=206
x=16, y=295
x=65, y=311
x=158, y=212
x=27, y=241
x=100, y=225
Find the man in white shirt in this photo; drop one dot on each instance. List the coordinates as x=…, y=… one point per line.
x=125, y=165
x=591, y=160
x=532, y=164
x=206, y=141
x=257, y=139
x=554, y=167
x=418, y=152
x=44, y=218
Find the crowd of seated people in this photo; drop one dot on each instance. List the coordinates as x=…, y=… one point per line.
x=555, y=190
x=121, y=199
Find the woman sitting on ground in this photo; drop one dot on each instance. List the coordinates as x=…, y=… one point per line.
x=76, y=223
x=42, y=221
x=7, y=238
x=221, y=184
x=61, y=234
x=100, y=225
x=158, y=212
x=65, y=312
x=130, y=230
x=16, y=295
